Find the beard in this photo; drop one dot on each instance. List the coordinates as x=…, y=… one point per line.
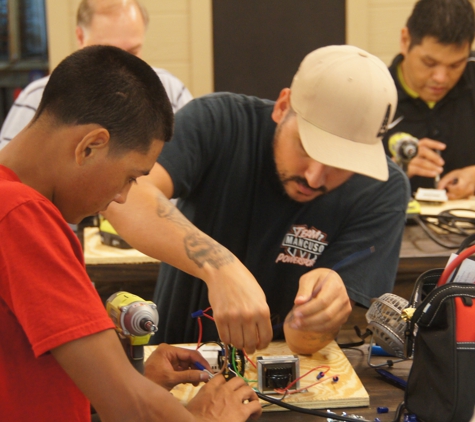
x=284, y=179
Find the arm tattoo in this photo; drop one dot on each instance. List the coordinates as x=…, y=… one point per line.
x=202, y=249
x=199, y=247
x=165, y=209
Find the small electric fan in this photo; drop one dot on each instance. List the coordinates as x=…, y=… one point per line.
x=386, y=324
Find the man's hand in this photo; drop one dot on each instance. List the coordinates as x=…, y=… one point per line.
x=427, y=162
x=459, y=183
x=322, y=306
x=239, y=305
x=240, y=309
x=230, y=401
x=168, y=366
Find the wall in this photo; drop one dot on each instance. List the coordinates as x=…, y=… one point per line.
x=375, y=25
x=258, y=45
x=179, y=38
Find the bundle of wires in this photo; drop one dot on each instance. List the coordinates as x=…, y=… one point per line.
x=449, y=222
x=229, y=362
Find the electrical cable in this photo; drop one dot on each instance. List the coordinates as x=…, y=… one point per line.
x=447, y=222
x=362, y=336
x=424, y=224
x=321, y=413
x=320, y=379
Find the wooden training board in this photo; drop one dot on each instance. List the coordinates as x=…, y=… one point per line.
x=347, y=392
x=95, y=252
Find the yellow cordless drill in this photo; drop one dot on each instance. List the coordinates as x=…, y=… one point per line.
x=135, y=321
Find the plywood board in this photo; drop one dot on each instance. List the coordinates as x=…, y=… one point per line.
x=347, y=392
x=95, y=252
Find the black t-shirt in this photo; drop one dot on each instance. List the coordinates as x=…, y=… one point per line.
x=221, y=164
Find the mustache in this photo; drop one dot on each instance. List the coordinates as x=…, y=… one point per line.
x=302, y=181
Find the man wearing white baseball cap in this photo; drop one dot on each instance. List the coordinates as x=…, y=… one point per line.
x=290, y=189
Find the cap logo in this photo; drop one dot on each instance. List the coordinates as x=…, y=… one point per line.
x=384, y=126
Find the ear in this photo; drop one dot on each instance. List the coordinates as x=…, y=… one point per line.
x=92, y=144
x=281, y=106
x=80, y=36
x=405, y=41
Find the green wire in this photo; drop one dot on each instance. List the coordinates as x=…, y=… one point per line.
x=233, y=361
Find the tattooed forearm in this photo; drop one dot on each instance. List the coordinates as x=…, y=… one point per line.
x=199, y=247
x=165, y=209
x=202, y=249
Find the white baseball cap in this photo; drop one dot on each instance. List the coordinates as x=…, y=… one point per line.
x=344, y=98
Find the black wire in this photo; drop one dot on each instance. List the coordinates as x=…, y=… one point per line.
x=362, y=336
x=351, y=345
x=425, y=228
x=314, y=412
x=447, y=221
x=441, y=223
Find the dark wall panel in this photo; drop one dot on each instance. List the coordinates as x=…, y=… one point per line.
x=258, y=44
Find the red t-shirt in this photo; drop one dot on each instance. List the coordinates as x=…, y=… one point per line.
x=46, y=300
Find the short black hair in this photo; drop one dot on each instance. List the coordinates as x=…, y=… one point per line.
x=107, y=86
x=448, y=21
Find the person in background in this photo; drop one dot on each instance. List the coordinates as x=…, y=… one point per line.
x=293, y=188
x=120, y=23
x=101, y=123
x=435, y=78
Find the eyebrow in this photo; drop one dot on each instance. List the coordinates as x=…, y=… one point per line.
x=428, y=57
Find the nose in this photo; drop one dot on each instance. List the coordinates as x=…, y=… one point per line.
x=440, y=74
x=316, y=174
x=121, y=197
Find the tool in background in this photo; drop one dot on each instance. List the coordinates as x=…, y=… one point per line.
x=413, y=209
x=391, y=378
x=110, y=237
x=135, y=321
x=403, y=148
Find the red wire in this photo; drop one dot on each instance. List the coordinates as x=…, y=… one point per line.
x=200, y=335
x=248, y=359
x=200, y=326
x=303, y=376
x=208, y=316
x=454, y=264
x=308, y=386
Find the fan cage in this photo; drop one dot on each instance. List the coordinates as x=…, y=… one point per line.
x=385, y=322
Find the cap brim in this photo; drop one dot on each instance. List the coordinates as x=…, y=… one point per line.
x=331, y=150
